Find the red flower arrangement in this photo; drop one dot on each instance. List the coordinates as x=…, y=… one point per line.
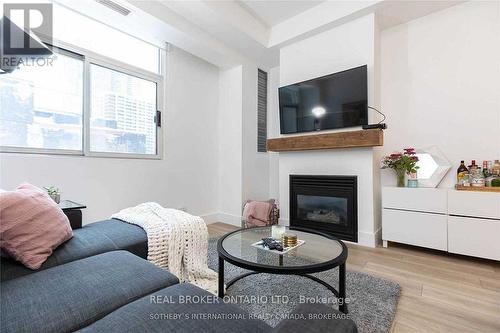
x=401, y=163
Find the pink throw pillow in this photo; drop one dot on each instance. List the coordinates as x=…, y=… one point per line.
x=31, y=225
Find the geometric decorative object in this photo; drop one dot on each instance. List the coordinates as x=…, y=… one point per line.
x=433, y=166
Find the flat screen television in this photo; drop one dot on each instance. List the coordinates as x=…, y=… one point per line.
x=337, y=100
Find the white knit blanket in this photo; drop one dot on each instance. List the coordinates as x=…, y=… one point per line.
x=177, y=241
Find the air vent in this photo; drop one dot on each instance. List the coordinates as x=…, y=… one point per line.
x=114, y=6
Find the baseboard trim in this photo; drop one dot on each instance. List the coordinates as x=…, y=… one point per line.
x=367, y=238
x=229, y=219
x=210, y=218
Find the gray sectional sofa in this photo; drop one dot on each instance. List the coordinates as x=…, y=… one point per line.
x=99, y=281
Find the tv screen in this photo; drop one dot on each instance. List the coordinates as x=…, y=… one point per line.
x=334, y=101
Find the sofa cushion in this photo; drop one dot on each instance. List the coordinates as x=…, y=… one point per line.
x=164, y=311
x=92, y=239
x=32, y=225
x=71, y=296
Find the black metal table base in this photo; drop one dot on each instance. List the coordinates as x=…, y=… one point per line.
x=339, y=294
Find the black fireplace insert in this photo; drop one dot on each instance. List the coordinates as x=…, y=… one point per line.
x=325, y=203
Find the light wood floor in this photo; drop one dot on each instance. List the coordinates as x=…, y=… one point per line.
x=440, y=292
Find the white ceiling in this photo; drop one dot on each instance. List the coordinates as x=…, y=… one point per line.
x=277, y=11
x=228, y=33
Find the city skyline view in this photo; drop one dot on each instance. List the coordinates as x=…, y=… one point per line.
x=42, y=107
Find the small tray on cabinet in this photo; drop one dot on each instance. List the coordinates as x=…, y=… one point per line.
x=477, y=189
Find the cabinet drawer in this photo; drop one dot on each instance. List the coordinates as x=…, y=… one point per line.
x=475, y=204
x=431, y=200
x=474, y=237
x=415, y=228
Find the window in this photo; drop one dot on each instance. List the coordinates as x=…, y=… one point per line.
x=86, y=103
x=262, y=111
x=122, y=112
x=76, y=29
x=42, y=107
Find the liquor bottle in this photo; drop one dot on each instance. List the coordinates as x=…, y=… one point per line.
x=477, y=177
x=495, y=169
x=473, y=166
x=461, y=172
x=485, y=169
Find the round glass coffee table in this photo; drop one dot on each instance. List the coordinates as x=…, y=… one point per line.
x=320, y=252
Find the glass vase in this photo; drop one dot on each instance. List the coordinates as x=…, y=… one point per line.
x=400, y=175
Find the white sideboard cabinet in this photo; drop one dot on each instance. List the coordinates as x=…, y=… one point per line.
x=461, y=222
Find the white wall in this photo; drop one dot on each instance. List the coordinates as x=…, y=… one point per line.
x=374, y=118
x=186, y=177
x=344, y=47
x=230, y=145
x=243, y=172
x=441, y=84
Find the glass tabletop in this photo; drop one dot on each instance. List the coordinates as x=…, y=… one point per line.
x=316, y=249
x=68, y=204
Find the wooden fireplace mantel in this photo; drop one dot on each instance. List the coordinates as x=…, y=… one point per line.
x=351, y=139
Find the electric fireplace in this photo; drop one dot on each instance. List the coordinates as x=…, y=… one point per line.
x=325, y=203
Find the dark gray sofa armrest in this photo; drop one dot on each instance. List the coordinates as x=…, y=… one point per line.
x=164, y=311
x=316, y=318
x=92, y=239
x=71, y=296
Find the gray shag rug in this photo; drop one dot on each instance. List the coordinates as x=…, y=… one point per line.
x=372, y=300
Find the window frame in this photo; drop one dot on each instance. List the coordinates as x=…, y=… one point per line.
x=89, y=58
